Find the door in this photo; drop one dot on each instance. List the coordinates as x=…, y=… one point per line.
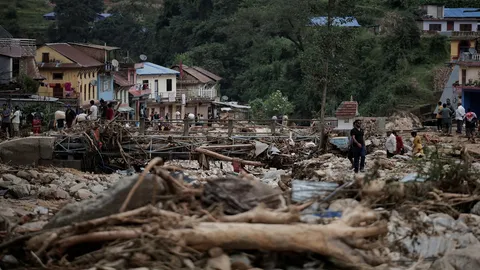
x=156, y=89
x=450, y=26
x=464, y=76
x=58, y=91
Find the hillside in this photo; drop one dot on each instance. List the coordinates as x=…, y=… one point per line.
x=261, y=46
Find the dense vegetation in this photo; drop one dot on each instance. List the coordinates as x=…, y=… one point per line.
x=261, y=47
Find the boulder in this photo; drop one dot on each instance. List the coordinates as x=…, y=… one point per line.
x=466, y=259
x=109, y=202
x=32, y=148
x=77, y=187
x=15, y=180
x=97, y=189
x=21, y=191
x=84, y=194
x=53, y=193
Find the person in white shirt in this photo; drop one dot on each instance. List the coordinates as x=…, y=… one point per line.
x=391, y=144
x=459, y=116
x=16, y=121
x=93, y=112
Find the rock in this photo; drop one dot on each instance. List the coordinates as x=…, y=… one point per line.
x=21, y=191
x=9, y=259
x=476, y=209
x=33, y=173
x=343, y=204
x=320, y=173
x=15, y=180
x=24, y=175
x=30, y=227
x=465, y=259
x=7, y=212
x=97, y=189
x=77, y=187
x=53, y=193
x=240, y=261
x=84, y=194
x=40, y=210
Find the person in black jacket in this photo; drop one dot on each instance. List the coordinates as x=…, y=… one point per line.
x=358, y=145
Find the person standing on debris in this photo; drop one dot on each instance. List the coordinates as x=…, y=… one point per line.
x=103, y=109
x=16, y=121
x=459, y=115
x=36, y=124
x=391, y=144
x=470, y=124
x=6, y=120
x=93, y=112
x=399, y=141
x=439, y=117
x=446, y=119
x=167, y=116
x=417, y=144
x=358, y=142
x=109, y=113
x=69, y=116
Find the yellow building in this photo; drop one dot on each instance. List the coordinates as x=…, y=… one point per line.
x=460, y=44
x=68, y=72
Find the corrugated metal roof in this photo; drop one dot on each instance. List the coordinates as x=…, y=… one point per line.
x=347, y=109
x=95, y=46
x=154, y=69
x=208, y=73
x=462, y=13
x=337, y=21
x=120, y=80
x=75, y=55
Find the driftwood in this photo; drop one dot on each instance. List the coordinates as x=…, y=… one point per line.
x=225, y=158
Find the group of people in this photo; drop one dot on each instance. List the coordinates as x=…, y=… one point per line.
x=446, y=114
x=394, y=144
x=11, y=121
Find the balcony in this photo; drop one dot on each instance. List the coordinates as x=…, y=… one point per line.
x=469, y=57
x=19, y=47
x=198, y=94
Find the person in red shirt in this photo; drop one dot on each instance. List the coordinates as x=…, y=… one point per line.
x=110, y=113
x=400, y=150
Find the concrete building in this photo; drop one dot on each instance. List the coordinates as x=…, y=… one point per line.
x=346, y=113
x=68, y=72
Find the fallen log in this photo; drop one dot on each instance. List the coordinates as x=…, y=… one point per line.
x=225, y=158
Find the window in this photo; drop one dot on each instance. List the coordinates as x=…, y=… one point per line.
x=145, y=84
x=169, y=85
x=464, y=76
x=156, y=88
x=57, y=76
x=45, y=57
x=435, y=27
x=450, y=25
x=465, y=27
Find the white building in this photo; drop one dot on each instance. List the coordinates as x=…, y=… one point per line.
x=346, y=113
x=440, y=19
x=161, y=81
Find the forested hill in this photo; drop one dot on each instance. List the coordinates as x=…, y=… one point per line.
x=261, y=47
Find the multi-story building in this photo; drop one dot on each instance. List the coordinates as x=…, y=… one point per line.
x=462, y=25
x=68, y=72
x=17, y=57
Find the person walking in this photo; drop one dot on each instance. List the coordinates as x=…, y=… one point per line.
x=69, y=116
x=16, y=121
x=439, y=117
x=399, y=140
x=470, y=125
x=358, y=142
x=391, y=144
x=109, y=113
x=459, y=116
x=6, y=120
x=447, y=119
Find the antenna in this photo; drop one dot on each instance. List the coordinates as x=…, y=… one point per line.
x=224, y=98
x=114, y=63
x=143, y=57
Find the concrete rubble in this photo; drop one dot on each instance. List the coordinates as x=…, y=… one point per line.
x=419, y=214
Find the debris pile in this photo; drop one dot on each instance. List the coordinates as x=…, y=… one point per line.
x=403, y=121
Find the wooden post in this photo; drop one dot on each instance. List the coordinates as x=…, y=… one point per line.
x=274, y=123
x=142, y=125
x=185, y=127
x=230, y=127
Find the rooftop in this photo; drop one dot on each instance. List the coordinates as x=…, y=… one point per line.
x=149, y=68
x=95, y=46
x=462, y=13
x=202, y=75
x=347, y=109
x=337, y=21
x=79, y=58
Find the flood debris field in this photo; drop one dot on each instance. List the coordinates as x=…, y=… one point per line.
x=311, y=212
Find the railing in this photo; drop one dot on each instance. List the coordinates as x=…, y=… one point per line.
x=170, y=96
x=466, y=34
x=197, y=94
x=470, y=57
x=27, y=46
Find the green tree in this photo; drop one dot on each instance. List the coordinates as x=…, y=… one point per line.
x=276, y=104
x=74, y=19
